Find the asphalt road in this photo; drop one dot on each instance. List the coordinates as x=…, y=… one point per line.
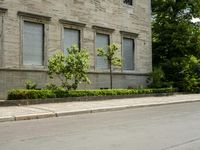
x=170, y=127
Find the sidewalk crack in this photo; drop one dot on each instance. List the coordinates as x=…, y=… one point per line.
x=181, y=144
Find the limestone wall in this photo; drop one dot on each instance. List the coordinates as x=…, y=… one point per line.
x=106, y=14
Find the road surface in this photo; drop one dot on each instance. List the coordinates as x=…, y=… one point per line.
x=169, y=127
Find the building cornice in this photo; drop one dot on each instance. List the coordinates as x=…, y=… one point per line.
x=103, y=28
x=129, y=33
x=69, y=22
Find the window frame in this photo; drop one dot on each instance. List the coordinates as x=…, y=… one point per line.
x=68, y=24
x=38, y=19
x=3, y=12
x=134, y=37
x=105, y=31
x=43, y=41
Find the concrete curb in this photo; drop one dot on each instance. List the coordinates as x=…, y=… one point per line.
x=34, y=116
x=117, y=108
x=7, y=118
x=51, y=114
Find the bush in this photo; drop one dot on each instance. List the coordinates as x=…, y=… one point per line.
x=30, y=85
x=191, y=80
x=184, y=73
x=51, y=87
x=61, y=93
x=157, y=79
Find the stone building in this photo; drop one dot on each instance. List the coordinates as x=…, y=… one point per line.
x=32, y=30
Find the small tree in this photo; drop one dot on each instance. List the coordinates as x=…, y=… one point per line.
x=110, y=56
x=71, y=69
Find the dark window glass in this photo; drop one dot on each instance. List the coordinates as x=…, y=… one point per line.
x=128, y=2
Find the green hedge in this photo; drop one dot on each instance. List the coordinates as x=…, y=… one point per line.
x=30, y=94
x=18, y=94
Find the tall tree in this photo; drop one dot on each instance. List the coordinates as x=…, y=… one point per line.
x=175, y=37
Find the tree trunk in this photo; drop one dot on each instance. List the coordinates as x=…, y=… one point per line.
x=111, y=76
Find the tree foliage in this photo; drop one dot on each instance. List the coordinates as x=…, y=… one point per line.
x=110, y=55
x=185, y=72
x=30, y=85
x=176, y=39
x=71, y=69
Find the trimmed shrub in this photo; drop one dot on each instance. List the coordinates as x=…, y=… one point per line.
x=30, y=94
x=61, y=93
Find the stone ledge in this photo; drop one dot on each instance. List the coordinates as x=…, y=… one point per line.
x=69, y=22
x=103, y=28
x=23, y=69
x=119, y=73
x=33, y=15
x=89, y=72
x=129, y=34
x=3, y=10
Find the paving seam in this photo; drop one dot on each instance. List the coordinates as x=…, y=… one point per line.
x=48, y=110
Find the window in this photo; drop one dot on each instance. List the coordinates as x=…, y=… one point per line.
x=71, y=37
x=33, y=44
x=72, y=33
x=102, y=41
x=128, y=53
x=128, y=2
x=34, y=39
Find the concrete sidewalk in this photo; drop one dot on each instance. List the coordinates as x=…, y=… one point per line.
x=16, y=113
